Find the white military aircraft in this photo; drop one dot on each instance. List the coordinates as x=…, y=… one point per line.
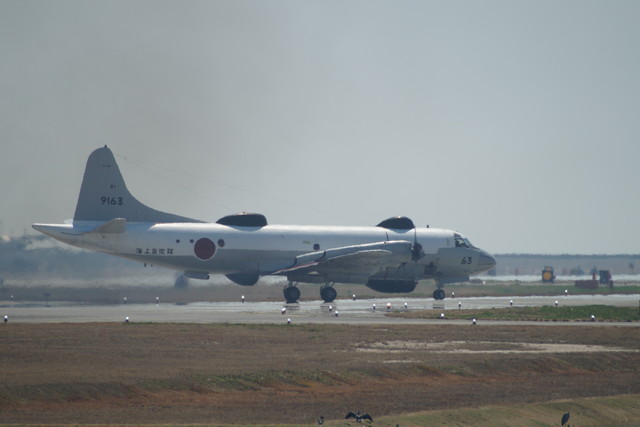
x=390, y=257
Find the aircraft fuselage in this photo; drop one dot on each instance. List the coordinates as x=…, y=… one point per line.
x=390, y=257
x=263, y=250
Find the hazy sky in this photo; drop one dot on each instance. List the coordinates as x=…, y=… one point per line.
x=514, y=122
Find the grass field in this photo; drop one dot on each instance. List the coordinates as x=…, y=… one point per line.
x=595, y=412
x=217, y=374
x=412, y=375
x=536, y=288
x=600, y=313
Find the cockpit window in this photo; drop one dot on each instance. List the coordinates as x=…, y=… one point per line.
x=462, y=242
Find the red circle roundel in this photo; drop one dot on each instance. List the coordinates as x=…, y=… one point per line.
x=204, y=248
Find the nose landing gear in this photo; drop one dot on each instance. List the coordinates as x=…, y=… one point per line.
x=438, y=294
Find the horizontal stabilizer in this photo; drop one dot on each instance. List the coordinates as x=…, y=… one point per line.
x=115, y=226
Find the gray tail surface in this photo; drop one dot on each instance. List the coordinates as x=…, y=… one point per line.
x=104, y=195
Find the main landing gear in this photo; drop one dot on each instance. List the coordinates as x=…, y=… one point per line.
x=438, y=294
x=328, y=293
x=292, y=293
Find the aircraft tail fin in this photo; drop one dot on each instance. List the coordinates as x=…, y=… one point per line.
x=104, y=195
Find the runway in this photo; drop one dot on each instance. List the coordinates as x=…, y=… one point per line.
x=342, y=311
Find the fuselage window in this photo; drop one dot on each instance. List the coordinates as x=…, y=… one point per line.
x=221, y=243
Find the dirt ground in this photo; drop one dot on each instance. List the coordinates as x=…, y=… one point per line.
x=259, y=374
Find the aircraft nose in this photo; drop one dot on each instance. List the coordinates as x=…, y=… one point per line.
x=486, y=261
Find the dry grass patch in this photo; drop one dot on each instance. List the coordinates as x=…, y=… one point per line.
x=252, y=374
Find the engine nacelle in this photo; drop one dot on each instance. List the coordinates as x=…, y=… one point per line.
x=244, y=279
x=392, y=286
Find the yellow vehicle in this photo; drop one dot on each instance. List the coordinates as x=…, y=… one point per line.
x=547, y=275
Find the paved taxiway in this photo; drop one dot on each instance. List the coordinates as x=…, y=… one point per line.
x=348, y=311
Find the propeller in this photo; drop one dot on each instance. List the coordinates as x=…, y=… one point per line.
x=416, y=248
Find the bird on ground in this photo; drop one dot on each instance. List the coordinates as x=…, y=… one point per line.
x=321, y=420
x=358, y=416
x=565, y=418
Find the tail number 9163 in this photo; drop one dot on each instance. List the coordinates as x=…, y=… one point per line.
x=105, y=200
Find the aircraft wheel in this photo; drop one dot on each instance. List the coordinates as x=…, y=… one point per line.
x=438, y=294
x=291, y=294
x=328, y=294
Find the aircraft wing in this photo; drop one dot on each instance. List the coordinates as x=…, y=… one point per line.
x=364, y=259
